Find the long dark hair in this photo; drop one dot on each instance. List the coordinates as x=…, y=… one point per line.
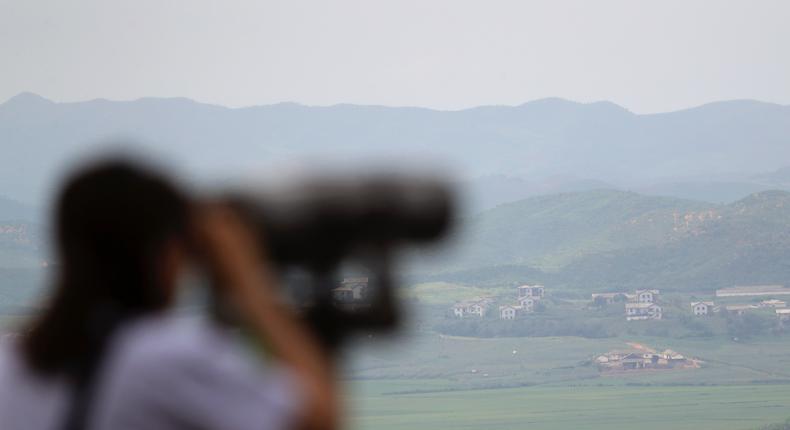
x=112, y=221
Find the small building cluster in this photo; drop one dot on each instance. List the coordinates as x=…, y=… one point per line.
x=707, y=308
x=639, y=305
x=757, y=291
x=477, y=307
x=701, y=309
x=622, y=361
x=642, y=311
x=527, y=297
x=643, y=304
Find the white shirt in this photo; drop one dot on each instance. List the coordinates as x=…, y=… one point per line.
x=160, y=373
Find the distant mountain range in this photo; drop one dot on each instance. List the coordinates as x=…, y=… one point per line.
x=614, y=240
x=537, y=142
x=581, y=195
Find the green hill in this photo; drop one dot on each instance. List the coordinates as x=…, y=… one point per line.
x=607, y=239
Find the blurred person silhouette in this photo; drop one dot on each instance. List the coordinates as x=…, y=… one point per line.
x=108, y=352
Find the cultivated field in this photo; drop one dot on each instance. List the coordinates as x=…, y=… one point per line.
x=433, y=381
x=548, y=384
x=568, y=407
x=426, y=380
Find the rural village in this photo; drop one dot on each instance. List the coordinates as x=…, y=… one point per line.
x=639, y=305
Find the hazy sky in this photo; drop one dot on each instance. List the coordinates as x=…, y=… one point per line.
x=645, y=55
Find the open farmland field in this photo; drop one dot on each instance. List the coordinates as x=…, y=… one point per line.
x=462, y=363
x=437, y=382
x=569, y=407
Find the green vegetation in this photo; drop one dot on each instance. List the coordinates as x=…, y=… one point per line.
x=444, y=293
x=438, y=382
x=563, y=408
x=540, y=371
x=466, y=362
x=434, y=380
x=548, y=232
x=580, y=317
x=611, y=240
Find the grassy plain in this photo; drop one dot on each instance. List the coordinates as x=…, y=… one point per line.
x=426, y=380
x=433, y=381
x=570, y=407
x=549, y=384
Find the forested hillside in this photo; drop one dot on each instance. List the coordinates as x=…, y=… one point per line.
x=609, y=240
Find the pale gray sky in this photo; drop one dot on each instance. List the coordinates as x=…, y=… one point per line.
x=645, y=55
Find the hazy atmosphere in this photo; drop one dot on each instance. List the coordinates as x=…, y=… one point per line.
x=646, y=56
x=589, y=228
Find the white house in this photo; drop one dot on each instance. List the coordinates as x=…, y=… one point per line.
x=527, y=304
x=475, y=307
x=533, y=291
x=458, y=309
x=642, y=311
x=646, y=296
x=701, y=308
x=478, y=309
x=509, y=312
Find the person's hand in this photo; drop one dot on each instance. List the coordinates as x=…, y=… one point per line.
x=229, y=248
